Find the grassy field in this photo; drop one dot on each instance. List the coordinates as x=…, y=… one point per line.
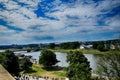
x=37, y=70
x=84, y=51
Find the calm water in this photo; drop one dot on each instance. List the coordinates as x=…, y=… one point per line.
x=2, y=50
x=62, y=58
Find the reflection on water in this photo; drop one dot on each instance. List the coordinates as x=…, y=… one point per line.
x=62, y=58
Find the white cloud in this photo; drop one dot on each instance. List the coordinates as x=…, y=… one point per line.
x=73, y=19
x=3, y=29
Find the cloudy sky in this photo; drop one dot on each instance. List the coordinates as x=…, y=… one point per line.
x=41, y=21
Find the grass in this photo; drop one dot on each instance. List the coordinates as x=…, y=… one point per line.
x=85, y=51
x=60, y=73
x=39, y=71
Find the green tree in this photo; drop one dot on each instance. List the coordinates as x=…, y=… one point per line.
x=47, y=58
x=95, y=44
x=25, y=63
x=79, y=67
x=100, y=47
x=11, y=63
x=69, y=45
x=109, y=65
x=74, y=45
x=28, y=50
x=51, y=45
x=64, y=45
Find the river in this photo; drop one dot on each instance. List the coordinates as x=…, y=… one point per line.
x=2, y=50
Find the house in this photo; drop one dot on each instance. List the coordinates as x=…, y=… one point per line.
x=112, y=46
x=86, y=46
x=82, y=46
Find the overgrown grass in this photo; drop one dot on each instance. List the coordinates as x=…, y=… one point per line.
x=39, y=71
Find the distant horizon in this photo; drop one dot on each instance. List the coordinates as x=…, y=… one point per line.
x=47, y=21
x=54, y=42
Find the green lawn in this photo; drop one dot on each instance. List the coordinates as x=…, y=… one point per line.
x=37, y=70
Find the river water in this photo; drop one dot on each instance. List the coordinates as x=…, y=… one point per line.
x=2, y=50
x=62, y=58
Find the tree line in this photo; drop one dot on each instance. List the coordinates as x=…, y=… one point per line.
x=99, y=45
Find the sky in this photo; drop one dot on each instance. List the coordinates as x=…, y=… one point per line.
x=46, y=21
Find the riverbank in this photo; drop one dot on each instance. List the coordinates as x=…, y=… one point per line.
x=84, y=51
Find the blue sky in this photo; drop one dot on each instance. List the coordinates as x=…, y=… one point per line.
x=45, y=21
